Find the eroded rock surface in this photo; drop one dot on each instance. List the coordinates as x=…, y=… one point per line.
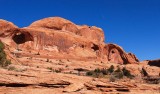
x=52, y=56
x=55, y=36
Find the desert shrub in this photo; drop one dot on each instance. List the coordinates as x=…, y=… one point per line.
x=8, y=62
x=89, y=73
x=112, y=79
x=97, y=70
x=104, y=71
x=127, y=73
x=50, y=68
x=79, y=70
x=118, y=73
x=96, y=73
x=111, y=69
x=113, y=75
x=1, y=46
x=3, y=60
x=118, y=70
x=57, y=70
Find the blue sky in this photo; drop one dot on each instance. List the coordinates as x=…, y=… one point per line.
x=132, y=24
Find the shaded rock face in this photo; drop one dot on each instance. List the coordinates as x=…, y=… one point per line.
x=154, y=63
x=55, y=36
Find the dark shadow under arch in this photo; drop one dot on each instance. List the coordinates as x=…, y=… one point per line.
x=22, y=37
x=19, y=38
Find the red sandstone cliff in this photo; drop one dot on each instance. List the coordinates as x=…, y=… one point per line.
x=59, y=37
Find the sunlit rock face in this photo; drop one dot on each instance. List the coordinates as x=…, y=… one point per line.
x=59, y=37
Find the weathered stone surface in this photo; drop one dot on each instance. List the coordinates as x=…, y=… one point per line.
x=6, y=28
x=52, y=56
x=27, y=77
x=55, y=23
x=116, y=54
x=55, y=35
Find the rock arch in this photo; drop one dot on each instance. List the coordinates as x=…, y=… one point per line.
x=117, y=55
x=22, y=37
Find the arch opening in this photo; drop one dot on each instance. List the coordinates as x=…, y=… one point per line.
x=22, y=37
x=95, y=47
x=19, y=38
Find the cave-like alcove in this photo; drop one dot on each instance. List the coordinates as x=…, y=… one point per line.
x=95, y=47
x=19, y=38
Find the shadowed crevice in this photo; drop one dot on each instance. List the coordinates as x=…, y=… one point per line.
x=22, y=37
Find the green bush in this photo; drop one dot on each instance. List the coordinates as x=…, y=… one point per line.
x=3, y=60
x=104, y=71
x=8, y=62
x=117, y=74
x=97, y=70
x=97, y=73
x=1, y=46
x=118, y=69
x=127, y=73
x=111, y=69
x=89, y=73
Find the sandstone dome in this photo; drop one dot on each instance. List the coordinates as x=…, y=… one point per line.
x=51, y=22
x=6, y=28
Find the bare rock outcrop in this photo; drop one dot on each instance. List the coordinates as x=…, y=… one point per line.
x=54, y=55
x=116, y=54
x=154, y=62
x=6, y=29
x=56, y=36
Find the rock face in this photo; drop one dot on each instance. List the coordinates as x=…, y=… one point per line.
x=59, y=37
x=154, y=62
x=6, y=28
x=53, y=56
x=116, y=54
x=23, y=79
